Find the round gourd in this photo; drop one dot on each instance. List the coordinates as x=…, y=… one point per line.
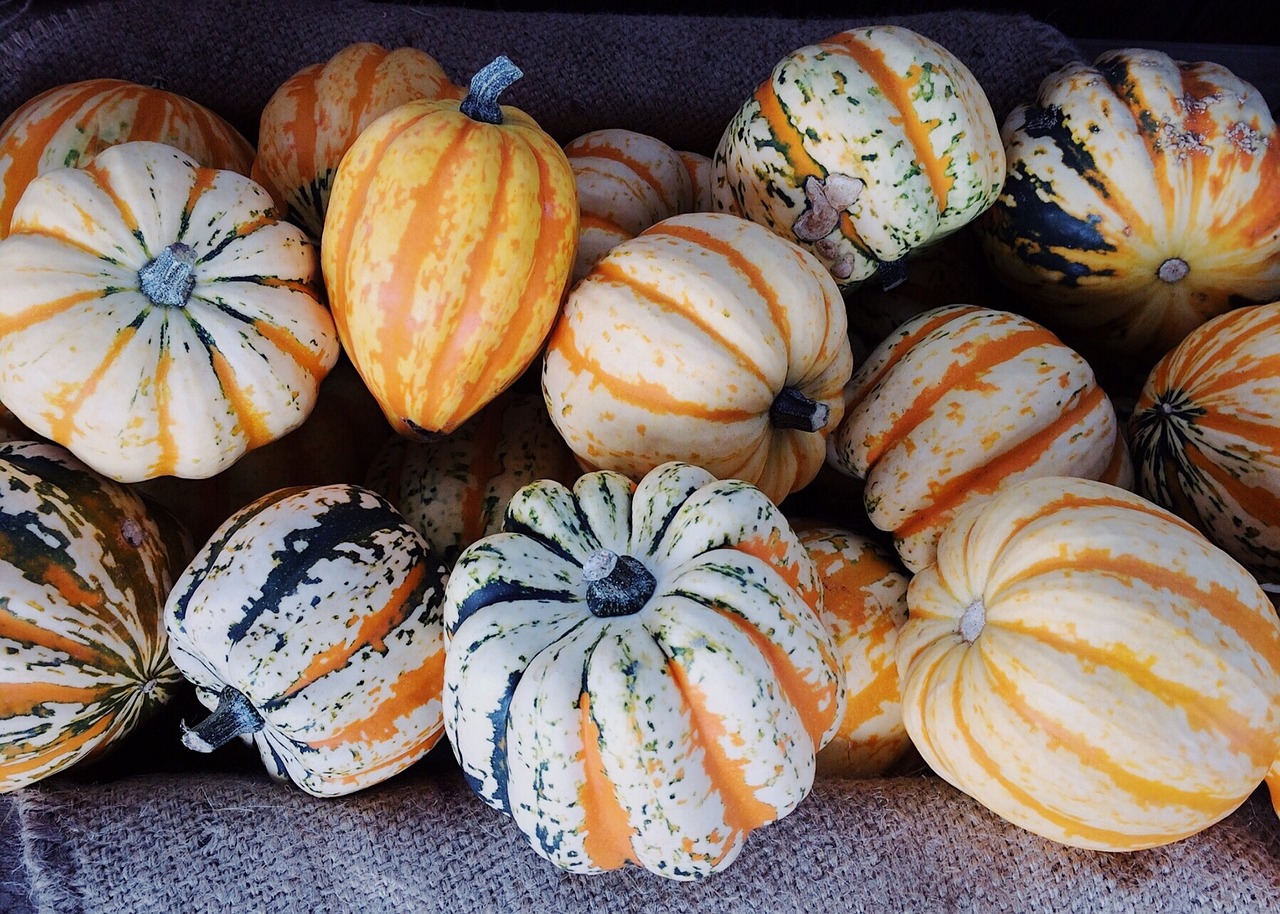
x=157, y=319
x=639, y=673
x=1205, y=441
x=863, y=147
x=310, y=624
x=1090, y=667
x=705, y=339
x=315, y=115
x=959, y=402
x=447, y=246
x=84, y=572
x=700, y=180
x=1139, y=202
x=68, y=125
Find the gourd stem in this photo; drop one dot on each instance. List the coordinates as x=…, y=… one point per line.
x=973, y=620
x=234, y=716
x=792, y=409
x=168, y=279
x=1173, y=269
x=892, y=273
x=481, y=103
x=617, y=585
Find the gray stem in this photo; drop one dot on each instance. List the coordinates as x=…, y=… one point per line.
x=481, y=103
x=234, y=716
x=168, y=279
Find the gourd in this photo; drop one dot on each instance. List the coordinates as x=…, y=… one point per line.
x=310, y=625
x=862, y=148
x=700, y=180
x=1139, y=202
x=1090, y=667
x=706, y=339
x=84, y=573
x=315, y=115
x=447, y=246
x=959, y=402
x=639, y=673
x=68, y=125
x=1205, y=443
x=158, y=319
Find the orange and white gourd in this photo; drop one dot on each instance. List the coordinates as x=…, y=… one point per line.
x=705, y=339
x=959, y=402
x=701, y=180
x=862, y=148
x=158, y=318
x=312, y=119
x=1090, y=667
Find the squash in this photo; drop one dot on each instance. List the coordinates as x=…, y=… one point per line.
x=862, y=148
x=1205, y=443
x=1090, y=667
x=864, y=596
x=1273, y=785
x=639, y=673
x=315, y=115
x=68, y=125
x=1141, y=200
x=310, y=624
x=706, y=339
x=959, y=402
x=455, y=490
x=447, y=247
x=84, y=573
x=626, y=181
x=700, y=180
x=157, y=318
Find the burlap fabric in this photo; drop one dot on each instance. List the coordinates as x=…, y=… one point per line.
x=151, y=833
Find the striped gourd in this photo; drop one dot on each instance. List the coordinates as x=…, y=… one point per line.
x=626, y=181
x=157, y=318
x=84, y=572
x=310, y=623
x=1091, y=668
x=69, y=125
x=1141, y=200
x=700, y=180
x=455, y=490
x=705, y=339
x=959, y=402
x=863, y=147
x=447, y=246
x=1204, y=435
x=639, y=673
x=315, y=115
x=864, y=594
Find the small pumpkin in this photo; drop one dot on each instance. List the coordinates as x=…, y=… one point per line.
x=158, y=319
x=1140, y=201
x=447, y=247
x=863, y=147
x=959, y=402
x=84, y=573
x=706, y=339
x=68, y=125
x=310, y=625
x=312, y=119
x=1090, y=667
x=639, y=673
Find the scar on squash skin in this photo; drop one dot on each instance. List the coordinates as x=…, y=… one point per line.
x=826, y=198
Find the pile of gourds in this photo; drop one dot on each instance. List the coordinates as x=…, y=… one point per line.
x=659, y=483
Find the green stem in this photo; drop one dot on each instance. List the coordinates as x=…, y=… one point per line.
x=618, y=585
x=481, y=103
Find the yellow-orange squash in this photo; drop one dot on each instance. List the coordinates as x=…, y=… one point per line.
x=1090, y=667
x=447, y=246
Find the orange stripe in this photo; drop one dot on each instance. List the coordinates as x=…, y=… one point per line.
x=607, y=827
x=38, y=314
x=615, y=154
x=412, y=691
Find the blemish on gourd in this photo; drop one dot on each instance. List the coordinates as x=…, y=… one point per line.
x=973, y=620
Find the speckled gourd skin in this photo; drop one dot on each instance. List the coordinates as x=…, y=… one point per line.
x=663, y=737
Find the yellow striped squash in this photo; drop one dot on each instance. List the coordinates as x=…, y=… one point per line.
x=1142, y=198
x=447, y=247
x=863, y=147
x=959, y=402
x=310, y=624
x=626, y=181
x=315, y=115
x=84, y=573
x=158, y=319
x=68, y=125
x=639, y=673
x=705, y=339
x=1090, y=667
x=1205, y=440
